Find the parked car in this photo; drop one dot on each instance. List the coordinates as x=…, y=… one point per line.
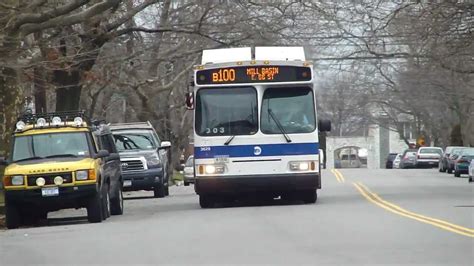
x=452, y=158
x=408, y=159
x=471, y=171
x=350, y=161
x=461, y=165
x=189, y=171
x=396, y=161
x=143, y=157
x=428, y=156
x=443, y=160
x=389, y=160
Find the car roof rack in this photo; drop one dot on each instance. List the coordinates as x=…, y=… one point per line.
x=131, y=125
x=65, y=115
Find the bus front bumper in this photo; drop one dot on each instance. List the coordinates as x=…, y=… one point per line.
x=257, y=183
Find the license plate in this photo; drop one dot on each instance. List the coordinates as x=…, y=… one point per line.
x=127, y=183
x=49, y=191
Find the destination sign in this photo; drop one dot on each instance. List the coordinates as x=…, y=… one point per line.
x=253, y=74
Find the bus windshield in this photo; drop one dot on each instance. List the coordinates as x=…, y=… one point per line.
x=226, y=111
x=293, y=108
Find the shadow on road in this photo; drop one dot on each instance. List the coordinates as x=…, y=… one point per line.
x=138, y=198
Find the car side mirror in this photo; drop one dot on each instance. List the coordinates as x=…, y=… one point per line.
x=324, y=125
x=165, y=145
x=3, y=161
x=189, y=100
x=113, y=156
x=102, y=154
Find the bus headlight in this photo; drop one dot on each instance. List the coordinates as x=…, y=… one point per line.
x=302, y=166
x=211, y=169
x=17, y=180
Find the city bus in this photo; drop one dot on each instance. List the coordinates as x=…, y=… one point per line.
x=255, y=125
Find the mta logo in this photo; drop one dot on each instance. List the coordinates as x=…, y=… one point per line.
x=257, y=150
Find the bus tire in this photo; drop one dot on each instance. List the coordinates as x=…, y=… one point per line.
x=310, y=196
x=206, y=201
x=12, y=216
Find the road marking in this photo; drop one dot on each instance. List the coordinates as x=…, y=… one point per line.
x=340, y=178
x=374, y=198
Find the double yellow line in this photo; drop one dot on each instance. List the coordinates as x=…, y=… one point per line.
x=377, y=200
x=340, y=178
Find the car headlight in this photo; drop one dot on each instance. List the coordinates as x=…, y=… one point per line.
x=211, y=169
x=302, y=166
x=82, y=175
x=17, y=180
x=153, y=161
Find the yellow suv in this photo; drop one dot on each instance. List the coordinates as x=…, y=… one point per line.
x=59, y=161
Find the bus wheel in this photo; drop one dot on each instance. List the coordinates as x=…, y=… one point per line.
x=206, y=201
x=310, y=196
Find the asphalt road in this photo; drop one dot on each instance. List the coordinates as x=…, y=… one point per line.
x=361, y=217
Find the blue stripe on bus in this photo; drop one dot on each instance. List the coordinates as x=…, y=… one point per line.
x=256, y=150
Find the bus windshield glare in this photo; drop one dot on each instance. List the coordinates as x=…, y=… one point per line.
x=293, y=108
x=226, y=111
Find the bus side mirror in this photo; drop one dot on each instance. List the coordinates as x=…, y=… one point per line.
x=324, y=125
x=189, y=100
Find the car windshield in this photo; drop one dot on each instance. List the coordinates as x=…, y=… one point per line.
x=73, y=144
x=135, y=140
x=292, y=107
x=467, y=152
x=189, y=162
x=439, y=151
x=226, y=111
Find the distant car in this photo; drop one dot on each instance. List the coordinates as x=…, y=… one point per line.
x=471, y=171
x=428, y=156
x=390, y=158
x=461, y=165
x=408, y=159
x=350, y=161
x=443, y=160
x=452, y=158
x=189, y=171
x=396, y=161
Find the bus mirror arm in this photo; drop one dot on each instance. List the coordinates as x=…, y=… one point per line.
x=189, y=100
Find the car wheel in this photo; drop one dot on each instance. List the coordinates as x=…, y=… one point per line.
x=12, y=215
x=310, y=196
x=206, y=201
x=94, y=208
x=167, y=190
x=186, y=183
x=159, y=191
x=116, y=203
x=106, y=201
x=457, y=174
x=450, y=171
x=469, y=180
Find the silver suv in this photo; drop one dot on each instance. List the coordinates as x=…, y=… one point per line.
x=144, y=158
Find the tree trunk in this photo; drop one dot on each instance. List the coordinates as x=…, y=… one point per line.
x=68, y=93
x=10, y=104
x=40, y=90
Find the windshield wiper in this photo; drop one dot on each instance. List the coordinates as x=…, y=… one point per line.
x=270, y=112
x=227, y=142
x=61, y=155
x=29, y=158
